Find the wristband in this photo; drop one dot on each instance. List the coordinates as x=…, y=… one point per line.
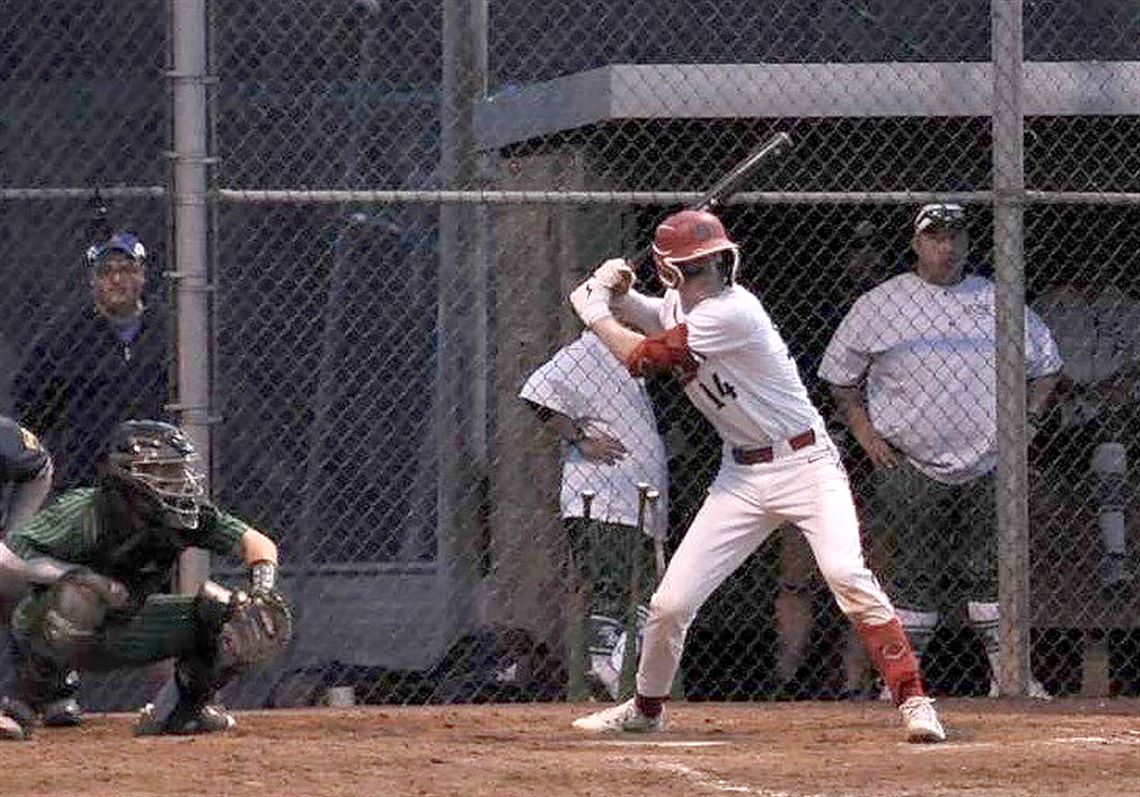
x=262, y=576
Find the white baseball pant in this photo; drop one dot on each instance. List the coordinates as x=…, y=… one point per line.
x=746, y=503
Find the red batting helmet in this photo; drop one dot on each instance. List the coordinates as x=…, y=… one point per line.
x=690, y=235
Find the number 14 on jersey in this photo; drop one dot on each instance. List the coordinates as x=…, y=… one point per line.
x=723, y=390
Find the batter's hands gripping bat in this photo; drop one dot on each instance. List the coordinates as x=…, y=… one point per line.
x=729, y=183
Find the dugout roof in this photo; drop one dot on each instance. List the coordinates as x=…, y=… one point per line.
x=650, y=91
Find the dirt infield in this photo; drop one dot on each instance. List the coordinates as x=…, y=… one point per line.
x=997, y=748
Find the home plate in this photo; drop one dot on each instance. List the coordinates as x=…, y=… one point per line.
x=647, y=743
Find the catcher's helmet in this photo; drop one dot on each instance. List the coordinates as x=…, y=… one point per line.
x=125, y=241
x=153, y=462
x=692, y=235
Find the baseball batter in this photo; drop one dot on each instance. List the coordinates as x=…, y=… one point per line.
x=778, y=465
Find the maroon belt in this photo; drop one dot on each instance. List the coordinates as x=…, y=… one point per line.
x=755, y=456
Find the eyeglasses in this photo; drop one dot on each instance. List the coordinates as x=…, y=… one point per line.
x=121, y=266
x=943, y=216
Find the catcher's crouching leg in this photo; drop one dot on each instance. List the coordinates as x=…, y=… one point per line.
x=236, y=631
x=49, y=656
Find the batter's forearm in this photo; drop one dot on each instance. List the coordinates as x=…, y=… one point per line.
x=565, y=427
x=639, y=310
x=619, y=339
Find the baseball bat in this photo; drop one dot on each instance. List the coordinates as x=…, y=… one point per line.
x=658, y=541
x=628, y=678
x=729, y=182
x=677, y=689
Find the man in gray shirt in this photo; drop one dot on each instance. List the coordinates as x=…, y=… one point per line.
x=913, y=371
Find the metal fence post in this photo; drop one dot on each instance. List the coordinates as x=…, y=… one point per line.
x=459, y=418
x=189, y=76
x=1012, y=478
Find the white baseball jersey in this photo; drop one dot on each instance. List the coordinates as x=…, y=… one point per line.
x=929, y=356
x=746, y=383
x=1099, y=338
x=584, y=380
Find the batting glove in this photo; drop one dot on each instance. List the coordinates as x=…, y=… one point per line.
x=616, y=275
x=591, y=301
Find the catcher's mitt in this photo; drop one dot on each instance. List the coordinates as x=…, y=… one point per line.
x=259, y=627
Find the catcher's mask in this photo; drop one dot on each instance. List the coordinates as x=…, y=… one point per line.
x=152, y=463
x=684, y=243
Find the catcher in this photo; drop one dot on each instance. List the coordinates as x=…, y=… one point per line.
x=100, y=560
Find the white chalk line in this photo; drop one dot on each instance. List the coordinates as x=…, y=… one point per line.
x=713, y=783
x=647, y=743
x=710, y=782
x=1124, y=739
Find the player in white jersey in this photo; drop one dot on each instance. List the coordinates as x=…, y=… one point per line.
x=913, y=368
x=778, y=464
x=612, y=445
x=1097, y=328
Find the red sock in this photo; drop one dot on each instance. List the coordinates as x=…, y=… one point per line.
x=893, y=657
x=649, y=706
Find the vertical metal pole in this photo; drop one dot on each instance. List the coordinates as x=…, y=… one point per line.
x=1012, y=478
x=460, y=313
x=480, y=253
x=191, y=129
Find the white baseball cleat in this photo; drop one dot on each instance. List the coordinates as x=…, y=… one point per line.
x=921, y=720
x=622, y=717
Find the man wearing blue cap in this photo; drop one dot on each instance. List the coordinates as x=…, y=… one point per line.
x=98, y=365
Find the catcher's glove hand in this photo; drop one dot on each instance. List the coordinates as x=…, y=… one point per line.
x=259, y=627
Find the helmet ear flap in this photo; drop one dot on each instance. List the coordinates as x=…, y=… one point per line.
x=667, y=272
x=729, y=264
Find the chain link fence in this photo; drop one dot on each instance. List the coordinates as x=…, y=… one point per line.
x=398, y=196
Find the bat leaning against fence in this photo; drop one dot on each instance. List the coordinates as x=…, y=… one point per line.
x=628, y=681
x=577, y=687
x=658, y=539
